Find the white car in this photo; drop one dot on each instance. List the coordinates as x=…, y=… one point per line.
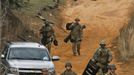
x=26, y=58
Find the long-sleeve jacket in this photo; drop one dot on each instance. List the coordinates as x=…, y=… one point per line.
x=103, y=56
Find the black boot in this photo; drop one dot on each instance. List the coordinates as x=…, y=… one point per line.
x=78, y=52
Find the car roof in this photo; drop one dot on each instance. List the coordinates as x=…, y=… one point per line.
x=26, y=44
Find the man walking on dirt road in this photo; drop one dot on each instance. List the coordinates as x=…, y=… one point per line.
x=48, y=35
x=76, y=35
x=102, y=58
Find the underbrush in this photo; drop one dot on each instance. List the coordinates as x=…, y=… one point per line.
x=126, y=40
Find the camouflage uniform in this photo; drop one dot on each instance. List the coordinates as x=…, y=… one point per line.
x=48, y=35
x=111, y=73
x=102, y=57
x=76, y=35
x=111, y=70
x=68, y=71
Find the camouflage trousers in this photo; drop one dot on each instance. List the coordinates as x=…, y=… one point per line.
x=100, y=72
x=47, y=43
x=76, y=47
x=48, y=46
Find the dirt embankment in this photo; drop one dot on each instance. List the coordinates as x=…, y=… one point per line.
x=22, y=24
x=103, y=18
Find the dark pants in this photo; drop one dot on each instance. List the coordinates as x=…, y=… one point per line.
x=47, y=43
x=76, y=47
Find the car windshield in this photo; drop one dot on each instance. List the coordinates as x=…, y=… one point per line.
x=28, y=54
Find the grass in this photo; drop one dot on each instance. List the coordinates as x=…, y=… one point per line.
x=126, y=40
x=35, y=5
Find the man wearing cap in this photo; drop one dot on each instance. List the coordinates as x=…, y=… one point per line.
x=102, y=57
x=48, y=35
x=76, y=35
x=68, y=70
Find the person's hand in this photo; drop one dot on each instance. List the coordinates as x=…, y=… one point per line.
x=83, y=26
x=93, y=60
x=55, y=42
x=109, y=60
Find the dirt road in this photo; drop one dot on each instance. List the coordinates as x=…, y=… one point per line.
x=104, y=19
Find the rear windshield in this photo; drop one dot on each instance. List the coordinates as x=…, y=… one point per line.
x=28, y=54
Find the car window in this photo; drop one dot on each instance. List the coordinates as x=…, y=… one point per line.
x=29, y=54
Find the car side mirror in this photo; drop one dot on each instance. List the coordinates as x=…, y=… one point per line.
x=55, y=58
x=2, y=56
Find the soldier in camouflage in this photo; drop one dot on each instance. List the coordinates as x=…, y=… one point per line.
x=102, y=57
x=76, y=35
x=68, y=70
x=111, y=70
x=48, y=35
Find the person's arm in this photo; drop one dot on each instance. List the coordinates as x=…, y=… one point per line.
x=83, y=26
x=41, y=30
x=61, y=74
x=74, y=73
x=55, y=42
x=110, y=56
x=71, y=26
x=53, y=33
x=96, y=55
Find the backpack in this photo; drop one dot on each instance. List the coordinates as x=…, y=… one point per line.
x=68, y=25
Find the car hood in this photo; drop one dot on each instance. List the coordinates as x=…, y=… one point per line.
x=30, y=64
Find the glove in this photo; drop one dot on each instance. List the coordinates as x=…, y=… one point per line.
x=55, y=42
x=83, y=27
x=65, y=40
x=93, y=60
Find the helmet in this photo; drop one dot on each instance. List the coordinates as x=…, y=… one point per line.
x=102, y=42
x=77, y=19
x=68, y=64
